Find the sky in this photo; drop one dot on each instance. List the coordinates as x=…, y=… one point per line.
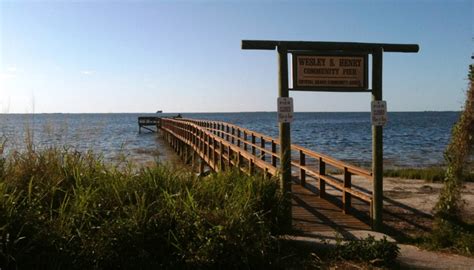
x=185, y=56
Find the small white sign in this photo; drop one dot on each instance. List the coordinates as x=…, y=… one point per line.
x=285, y=109
x=379, y=112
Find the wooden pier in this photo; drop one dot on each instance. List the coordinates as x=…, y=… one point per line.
x=323, y=196
x=148, y=121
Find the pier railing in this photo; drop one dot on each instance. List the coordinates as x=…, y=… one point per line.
x=221, y=145
x=147, y=121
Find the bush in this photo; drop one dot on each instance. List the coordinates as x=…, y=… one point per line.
x=377, y=252
x=449, y=229
x=452, y=235
x=64, y=209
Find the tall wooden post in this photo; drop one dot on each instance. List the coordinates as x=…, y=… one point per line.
x=377, y=143
x=285, y=140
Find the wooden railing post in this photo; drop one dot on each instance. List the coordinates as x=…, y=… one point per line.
x=302, y=171
x=201, y=166
x=198, y=138
x=238, y=137
x=229, y=156
x=201, y=141
x=239, y=160
x=322, y=183
x=196, y=141
x=214, y=153
x=185, y=153
x=221, y=156
x=233, y=134
x=194, y=148
x=245, y=140
x=227, y=133
x=192, y=131
x=253, y=144
x=251, y=166
x=208, y=147
x=274, y=159
x=346, y=196
x=262, y=145
x=265, y=173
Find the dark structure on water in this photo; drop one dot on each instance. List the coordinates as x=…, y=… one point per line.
x=148, y=122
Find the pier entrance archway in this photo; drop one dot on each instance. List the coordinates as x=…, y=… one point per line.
x=332, y=67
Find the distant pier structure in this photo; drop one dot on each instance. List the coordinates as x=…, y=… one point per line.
x=148, y=122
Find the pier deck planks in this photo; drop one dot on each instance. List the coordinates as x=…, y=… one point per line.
x=312, y=213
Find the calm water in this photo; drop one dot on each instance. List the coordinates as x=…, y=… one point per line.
x=410, y=138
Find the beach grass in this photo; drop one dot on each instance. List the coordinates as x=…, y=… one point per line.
x=431, y=174
x=61, y=209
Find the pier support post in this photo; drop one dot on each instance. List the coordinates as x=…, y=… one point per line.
x=201, y=166
x=285, y=141
x=377, y=144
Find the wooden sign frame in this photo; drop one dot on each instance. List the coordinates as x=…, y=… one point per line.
x=376, y=50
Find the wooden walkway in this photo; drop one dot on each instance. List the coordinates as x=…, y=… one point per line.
x=312, y=213
x=323, y=197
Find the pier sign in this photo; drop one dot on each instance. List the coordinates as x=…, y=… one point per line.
x=285, y=109
x=379, y=112
x=325, y=72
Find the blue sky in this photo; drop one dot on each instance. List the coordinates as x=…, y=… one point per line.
x=141, y=56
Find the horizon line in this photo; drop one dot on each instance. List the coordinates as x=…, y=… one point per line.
x=221, y=112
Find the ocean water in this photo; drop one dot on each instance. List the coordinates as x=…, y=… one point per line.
x=413, y=139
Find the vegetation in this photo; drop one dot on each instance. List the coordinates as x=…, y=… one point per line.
x=368, y=250
x=429, y=174
x=366, y=253
x=449, y=230
x=61, y=209
x=64, y=209
x=456, y=236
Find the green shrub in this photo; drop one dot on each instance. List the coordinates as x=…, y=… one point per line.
x=64, y=209
x=369, y=250
x=448, y=234
x=449, y=229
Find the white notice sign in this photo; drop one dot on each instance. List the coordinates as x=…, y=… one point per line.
x=379, y=113
x=285, y=109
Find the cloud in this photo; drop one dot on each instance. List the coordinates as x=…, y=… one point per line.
x=87, y=72
x=12, y=69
